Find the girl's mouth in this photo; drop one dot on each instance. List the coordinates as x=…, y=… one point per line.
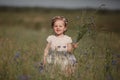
x=57, y=30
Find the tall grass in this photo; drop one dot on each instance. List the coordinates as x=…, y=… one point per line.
x=22, y=46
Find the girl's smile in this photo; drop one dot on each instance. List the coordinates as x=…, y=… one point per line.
x=59, y=27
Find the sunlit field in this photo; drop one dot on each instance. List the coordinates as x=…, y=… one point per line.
x=23, y=33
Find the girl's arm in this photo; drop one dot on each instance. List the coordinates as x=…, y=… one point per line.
x=46, y=52
x=71, y=47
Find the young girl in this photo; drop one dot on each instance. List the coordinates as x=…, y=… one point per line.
x=59, y=46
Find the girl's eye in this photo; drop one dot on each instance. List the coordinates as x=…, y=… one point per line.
x=60, y=26
x=55, y=26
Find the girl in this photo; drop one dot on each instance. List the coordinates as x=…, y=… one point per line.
x=59, y=46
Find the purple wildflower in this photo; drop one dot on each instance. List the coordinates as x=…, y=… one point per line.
x=114, y=62
x=17, y=55
x=109, y=77
x=24, y=77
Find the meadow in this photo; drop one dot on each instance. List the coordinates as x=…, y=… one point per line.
x=23, y=33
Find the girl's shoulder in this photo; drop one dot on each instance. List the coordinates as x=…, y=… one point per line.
x=51, y=36
x=66, y=36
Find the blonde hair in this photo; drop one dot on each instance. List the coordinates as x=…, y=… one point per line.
x=54, y=19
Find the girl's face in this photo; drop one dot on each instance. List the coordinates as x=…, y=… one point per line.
x=59, y=27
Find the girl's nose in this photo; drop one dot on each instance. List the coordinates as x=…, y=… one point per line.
x=58, y=27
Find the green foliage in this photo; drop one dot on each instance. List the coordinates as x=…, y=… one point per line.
x=82, y=31
x=22, y=42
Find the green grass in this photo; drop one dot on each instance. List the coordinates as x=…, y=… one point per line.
x=23, y=38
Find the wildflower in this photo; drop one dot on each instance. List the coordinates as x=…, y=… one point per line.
x=17, y=55
x=24, y=77
x=89, y=30
x=114, y=62
x=41, y=67
x=91, y=20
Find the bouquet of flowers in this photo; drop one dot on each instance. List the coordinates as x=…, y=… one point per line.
x=82, y=30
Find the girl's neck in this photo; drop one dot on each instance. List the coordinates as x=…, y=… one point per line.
x=61, y=35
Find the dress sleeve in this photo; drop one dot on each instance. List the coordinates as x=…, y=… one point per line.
x=49, y=39
x=69, y=40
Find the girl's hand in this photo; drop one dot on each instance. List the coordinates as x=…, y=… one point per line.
x=75, y=45
x=71, y=47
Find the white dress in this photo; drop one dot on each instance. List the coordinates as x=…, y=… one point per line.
x=58, y=51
